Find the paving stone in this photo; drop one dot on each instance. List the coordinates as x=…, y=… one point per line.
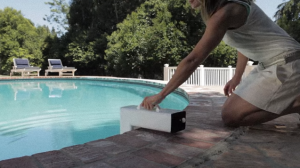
x=209, y=94
x=198, y=108
x=23, y=162
x=200, y=134
x=55, y=159
x=258, y=136
x=109, y=147
x=196, y=113
x=179, y=150
x=198, y=116
x=282, y=154
x=219, y=100
x=159, y=157
x=280, y=149
x=84, y=153
x=217, y=109
x=97, y=165
x=132, y=161
x=289, y=128
x=205, y=103
x=128, y=140
x=241, y=156
x=149, y=135
x=209, y=124
x=192, y=143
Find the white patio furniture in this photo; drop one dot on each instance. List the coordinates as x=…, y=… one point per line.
x=55, y=65
x=21, y=65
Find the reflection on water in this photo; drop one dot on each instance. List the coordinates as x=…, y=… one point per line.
x=22, y=90
x=56, y=88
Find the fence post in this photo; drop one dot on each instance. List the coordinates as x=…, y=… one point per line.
x=230, y=73
x=202, y=75
x=166, y=72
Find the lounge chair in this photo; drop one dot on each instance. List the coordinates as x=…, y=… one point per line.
x=21, y=65
x=55, y=65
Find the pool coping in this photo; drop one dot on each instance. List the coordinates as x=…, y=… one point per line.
x=204, y=136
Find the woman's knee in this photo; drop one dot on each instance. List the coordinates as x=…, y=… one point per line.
x=235, y=110
x=230, y=116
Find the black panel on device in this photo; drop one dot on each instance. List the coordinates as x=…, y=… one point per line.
x=178, y=121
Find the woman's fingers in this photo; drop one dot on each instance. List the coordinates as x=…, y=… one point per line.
x=151, y=101
x=147, y=104
x=231, y=89
x=144, y=103
x=226, y=89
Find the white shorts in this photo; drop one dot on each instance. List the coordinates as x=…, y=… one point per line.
x=272, y=89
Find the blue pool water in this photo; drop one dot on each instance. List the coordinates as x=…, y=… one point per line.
x=43, y=115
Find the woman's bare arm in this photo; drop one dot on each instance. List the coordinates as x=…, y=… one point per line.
x=239, y=71
x=240, y=66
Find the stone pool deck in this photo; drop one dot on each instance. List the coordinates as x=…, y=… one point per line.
x=204, y=143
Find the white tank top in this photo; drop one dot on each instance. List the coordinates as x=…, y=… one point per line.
x=260, y=39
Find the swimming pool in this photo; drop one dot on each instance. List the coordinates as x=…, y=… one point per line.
x=43, y=115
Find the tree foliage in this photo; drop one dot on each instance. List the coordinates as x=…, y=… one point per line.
x=124, y=38
x=19, y=39
x=288, y=17
x=147, y=39
x=158, y=32
x=222, y=56
x=89, y=24
x=59, y=15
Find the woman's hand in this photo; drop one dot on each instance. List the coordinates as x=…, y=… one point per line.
x=151, y=101
x=239, y=71
x=231, y=85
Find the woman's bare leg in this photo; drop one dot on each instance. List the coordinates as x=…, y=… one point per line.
x=238, y=112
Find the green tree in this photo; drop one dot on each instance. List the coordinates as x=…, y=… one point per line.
x=19, y=38
x=50, y=46
x=157, y=32
x=222, y=56
x=89, y=24
x=288, y=17
x=145, y=40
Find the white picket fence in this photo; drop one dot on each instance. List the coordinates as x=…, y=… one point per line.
x=207, y=76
